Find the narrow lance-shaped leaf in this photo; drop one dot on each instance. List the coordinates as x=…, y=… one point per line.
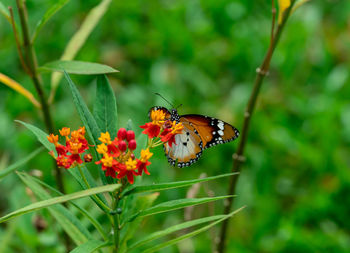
x=48, y=14
x=79, y=38
x=40, y=135
x=21, y=162
x=57, y=200
x=77, y=67
x=90, y=246
x=5, y=12
x=93, y=221
x=86, y=117
x=188, y=235
x=70, y=224
x=105, y=108
x=173, y=205
x=175, y=228
x=171, y=185
x=140, y=202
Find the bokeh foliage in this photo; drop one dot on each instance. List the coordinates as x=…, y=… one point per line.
x=203, y=54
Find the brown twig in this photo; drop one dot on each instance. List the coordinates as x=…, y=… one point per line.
x=31, y=62
x=238, y=158
x=18, y=43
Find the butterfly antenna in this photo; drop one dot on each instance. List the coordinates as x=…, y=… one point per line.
x=178, y=106
x=164, y=99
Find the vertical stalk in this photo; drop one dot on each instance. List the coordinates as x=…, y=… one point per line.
x=238, y=158
x=31, y=63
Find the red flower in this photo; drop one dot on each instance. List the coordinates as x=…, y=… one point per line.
x=151, y=130
x=168, y=136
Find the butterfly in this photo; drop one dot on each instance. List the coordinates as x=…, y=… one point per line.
x=200, y=132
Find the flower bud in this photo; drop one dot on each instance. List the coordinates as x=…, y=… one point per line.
x=87, y=158
x=121, y=134
x=132, y=145
x=122, y=145
x=130, y=135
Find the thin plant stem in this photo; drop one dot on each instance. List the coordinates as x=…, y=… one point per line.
x=18, y=43
x=32, y=65
x=238, y=158
x=106, y=208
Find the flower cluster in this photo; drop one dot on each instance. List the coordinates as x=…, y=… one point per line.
x=118, y=158
x=162, y=127
x=70, y=154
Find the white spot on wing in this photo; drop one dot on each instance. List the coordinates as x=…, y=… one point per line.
x=221, y=125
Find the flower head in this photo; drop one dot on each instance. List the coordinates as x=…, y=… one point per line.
x=70, y=154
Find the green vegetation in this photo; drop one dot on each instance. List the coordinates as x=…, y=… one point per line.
x=202, y=54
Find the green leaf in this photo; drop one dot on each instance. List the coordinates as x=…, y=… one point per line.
x=79, y=38
x=40, y=135
x=105, y=108
x=57, y=200
x=48, y=14
x=77, y=67
x=173, y=205
x=93, y=221
x=188, y=235
x=5, y=12
x=76, y=174
x=70, y=224
x=86, y=117
x=173, y=229
x=171, y=185
x=21, y=162
x=140, y=202
x=90, y=246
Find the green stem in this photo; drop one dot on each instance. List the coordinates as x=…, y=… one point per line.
x=238, y=157
x=32, y=66
x=106, y=208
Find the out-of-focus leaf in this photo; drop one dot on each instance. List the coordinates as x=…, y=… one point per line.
x=173, y=229
x=86, y=117
x=173, y=205
x=77, y=67
x=92, y=183
x=48, y=14
x=90, y=246
x=171, y=185
x=40, y=135
x=19, y=88
x=105, y=108
x=79, y=38
x=84, y=212
x=140, y=202
x=70, y=224
x=188, y=235
x=5, y=12
x=19, y=163
x=61, y=199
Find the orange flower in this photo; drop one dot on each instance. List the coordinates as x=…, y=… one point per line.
x=70, y=154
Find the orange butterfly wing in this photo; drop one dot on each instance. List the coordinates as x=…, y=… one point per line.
x=211, y=130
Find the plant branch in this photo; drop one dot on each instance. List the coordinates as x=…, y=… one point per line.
x=238, y=158
x=31, y=62
x=18, y=43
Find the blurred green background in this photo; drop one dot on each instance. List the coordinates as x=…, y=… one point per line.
x=203, y=54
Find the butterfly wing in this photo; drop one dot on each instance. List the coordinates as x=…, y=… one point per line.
x=211, y=130
x=187, y=148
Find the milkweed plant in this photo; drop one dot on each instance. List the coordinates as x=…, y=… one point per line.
x=108, y=161
x=120, y=157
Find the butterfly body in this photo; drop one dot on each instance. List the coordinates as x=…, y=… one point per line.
x=200, y=132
